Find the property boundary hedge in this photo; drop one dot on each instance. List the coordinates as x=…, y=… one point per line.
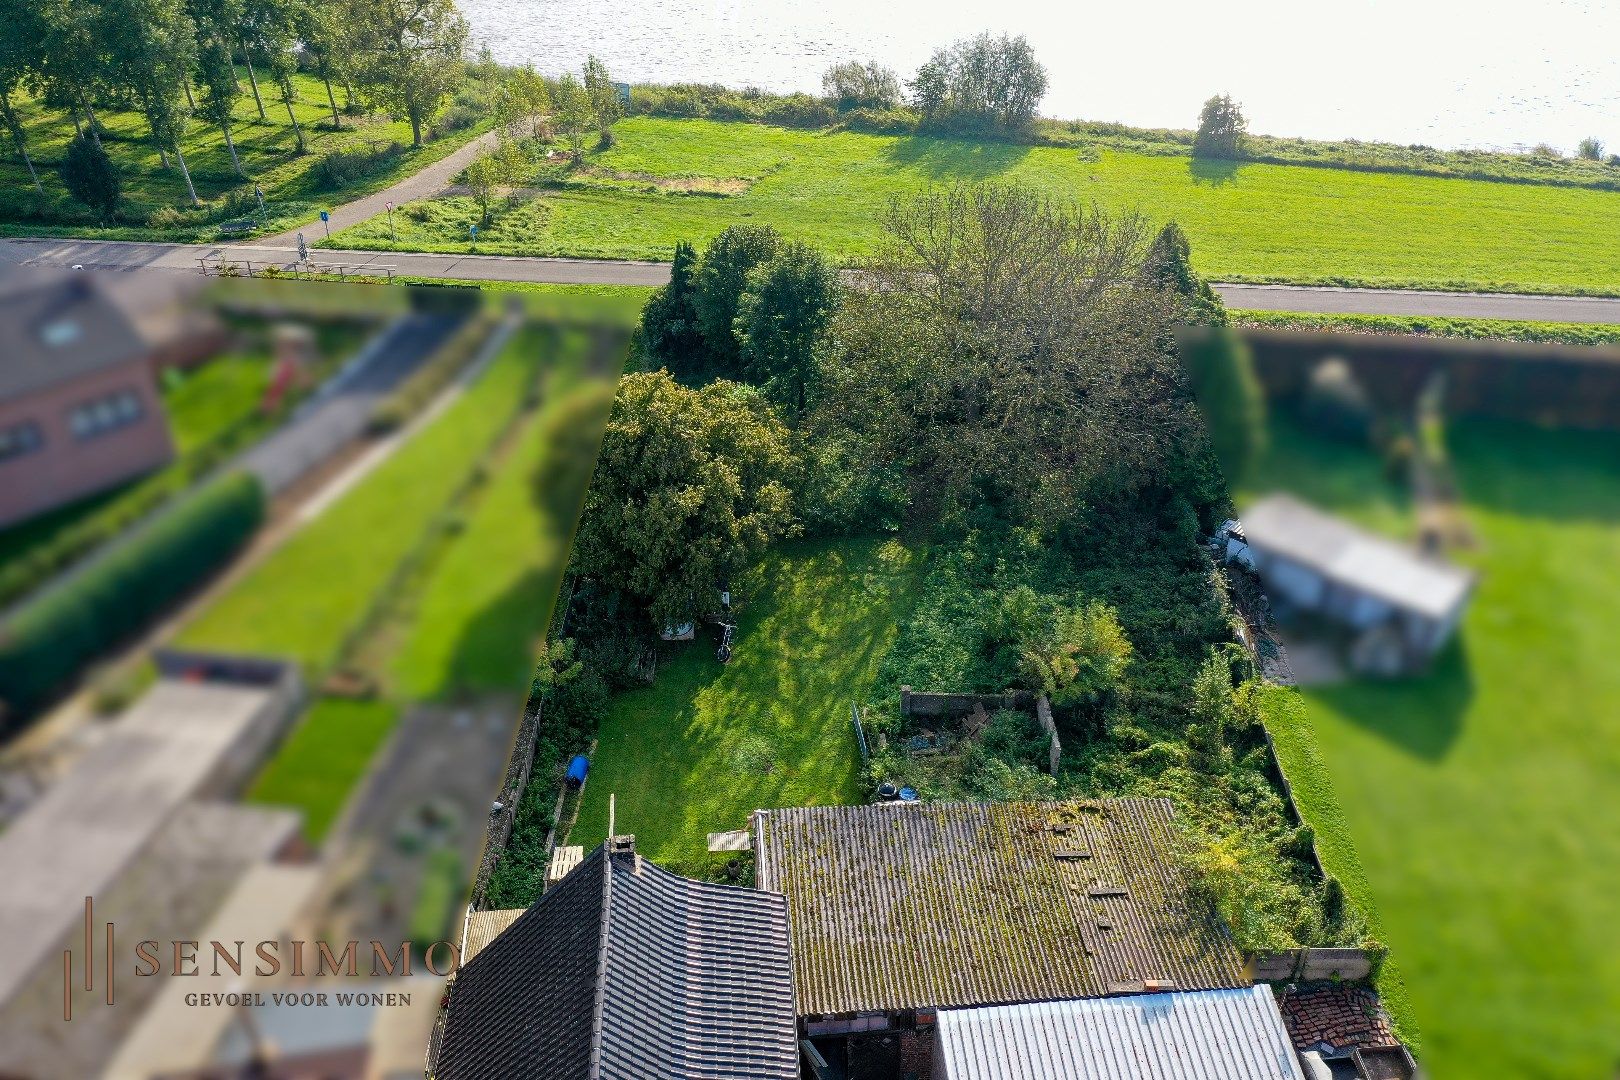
x=48, y=641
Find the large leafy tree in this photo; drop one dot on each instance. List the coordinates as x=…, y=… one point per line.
x=1221, y=127
x=22, y=36
x=690, y=488
x=984, y=82
x=75, y=57
x=153, y=54
x=217, y=22
x=718, y=288
x=407, y=55
x=782, y=319
x=670, y=337
x=1002, y=349
x=606, y=106
x=1168, y=265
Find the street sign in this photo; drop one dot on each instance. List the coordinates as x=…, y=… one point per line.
x=326, y=220
x=303, y=249
x=325, y=216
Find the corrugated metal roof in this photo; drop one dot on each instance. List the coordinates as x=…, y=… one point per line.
x=623, y=971
x=898, y=907
x=1369, y=564
x=1202, y=1035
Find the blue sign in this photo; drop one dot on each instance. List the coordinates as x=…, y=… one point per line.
x=474, y=229
x=325, y=216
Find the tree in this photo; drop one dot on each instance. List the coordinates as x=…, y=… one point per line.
x=22, y=33
x=503, y=166
x=1001, y=351
x=1221, y=127
x=523, y=98
x=216, y=22
x=322, y=37
x=854, y=85
x=690, y=488
x=782, y=319
x=1168, y=266
x=153, y=54
x=718, y=287
x=75, y=62
x=407, y=55
x=670, y=337
x=574, y=113
x=91, y=177
x=606, y=107
x=1220, y=372
x=982, y=82
x=1591, y=148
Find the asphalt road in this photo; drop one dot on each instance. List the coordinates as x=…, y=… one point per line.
x=183, y=258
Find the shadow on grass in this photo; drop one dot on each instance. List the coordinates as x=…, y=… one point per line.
x=1212, y=172
x=954, y=159
x=1422, y=716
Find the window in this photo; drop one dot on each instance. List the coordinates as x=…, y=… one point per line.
x=104, y=414
x=19, y=439
x=60, y=333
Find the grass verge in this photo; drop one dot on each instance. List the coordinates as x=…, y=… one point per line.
x=323, y=758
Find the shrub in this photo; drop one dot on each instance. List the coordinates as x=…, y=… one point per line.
x=1590, y=149
x=169, y=217
x=854, y=85
x=801, y=111
x=882, y=121
x=341, y=168
x=91, y=177
x=49, y=640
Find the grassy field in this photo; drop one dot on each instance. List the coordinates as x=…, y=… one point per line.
x=1254, y=222
x=306, y=598
x=706, y=744
x=293, y=189
x=1484, y=797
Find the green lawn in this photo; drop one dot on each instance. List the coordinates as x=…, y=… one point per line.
x=305, y=599
x=1247, y=222
x=478, y=618
x=706, y=744
x=292, y=190
x=323, y=758
x=1484, y=797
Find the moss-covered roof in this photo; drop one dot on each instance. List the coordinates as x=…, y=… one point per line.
x=895, y=907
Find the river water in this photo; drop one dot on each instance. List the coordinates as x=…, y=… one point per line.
x=1449, y=73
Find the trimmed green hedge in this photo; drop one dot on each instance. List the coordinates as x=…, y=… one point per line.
x=48, y=641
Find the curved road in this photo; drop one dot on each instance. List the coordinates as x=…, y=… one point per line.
x=1305, y=299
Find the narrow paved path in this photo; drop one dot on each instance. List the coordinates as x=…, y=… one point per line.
x=1305, y=299
x=421, y=185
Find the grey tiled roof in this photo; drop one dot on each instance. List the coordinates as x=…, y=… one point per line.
x=57, y=328
x=624, y=971
x=896, y=907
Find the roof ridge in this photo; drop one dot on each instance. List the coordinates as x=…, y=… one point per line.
x=599, y=999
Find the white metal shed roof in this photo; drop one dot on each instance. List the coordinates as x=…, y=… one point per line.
x=1302, y=534
x=1198, y=1035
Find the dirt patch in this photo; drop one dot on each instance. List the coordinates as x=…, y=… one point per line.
x=689, y=185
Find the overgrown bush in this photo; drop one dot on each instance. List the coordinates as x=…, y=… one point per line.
x=50, y=640
x=854, y=85
x=800, y=111
x=341, y=168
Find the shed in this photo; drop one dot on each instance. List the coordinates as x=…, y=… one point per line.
x=1203, y=1035
x=1371, y=585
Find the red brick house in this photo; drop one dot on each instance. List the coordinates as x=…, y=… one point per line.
x=79, y=405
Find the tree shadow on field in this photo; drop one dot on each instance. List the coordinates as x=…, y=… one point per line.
x=1215, y=173
x=1422, y=715
x=954, y=159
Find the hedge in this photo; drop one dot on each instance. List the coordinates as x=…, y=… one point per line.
x=49, y=640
